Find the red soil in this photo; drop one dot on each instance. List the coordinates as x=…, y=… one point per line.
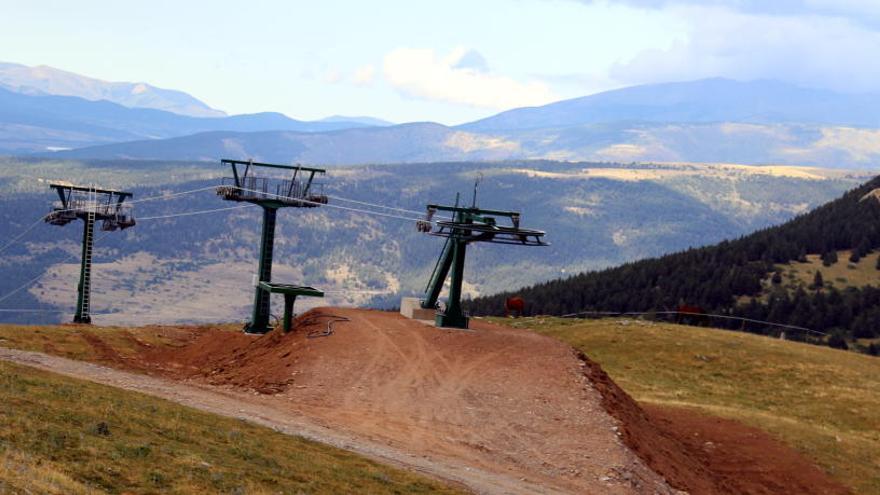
x=706, y=454
x=500, y=399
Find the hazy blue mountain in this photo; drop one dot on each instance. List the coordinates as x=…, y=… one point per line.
x=703, y=101
x=761, y=144
x=418, y=142
x=714, y=120
x=33, y=123
x=373, y=121
x=44, y=80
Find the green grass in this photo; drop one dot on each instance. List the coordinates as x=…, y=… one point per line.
x=823, y=402
x=64, y=436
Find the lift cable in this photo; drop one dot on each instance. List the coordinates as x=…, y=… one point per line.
x=347, y=208
x=364, y=203
x=142, y=200
x=684, y=313
x=19, y=236
x=164, y=196
x=198, y=212
x=38, y=277
x=32, y=281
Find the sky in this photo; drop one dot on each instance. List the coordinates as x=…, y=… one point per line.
x=448, y=61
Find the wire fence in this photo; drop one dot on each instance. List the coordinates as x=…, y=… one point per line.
x=689, y=316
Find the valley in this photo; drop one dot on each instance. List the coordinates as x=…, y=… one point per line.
x=626, y=212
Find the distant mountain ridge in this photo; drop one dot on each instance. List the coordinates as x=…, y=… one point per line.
x=832, y=147
x=45, y=80
x=373, y=121
x=35, y=123
x=705, y=121
x=701, y=101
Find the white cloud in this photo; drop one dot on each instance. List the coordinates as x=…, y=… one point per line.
x=363, y=76
x=462, y=76
x=856, y=10
x=810, y=50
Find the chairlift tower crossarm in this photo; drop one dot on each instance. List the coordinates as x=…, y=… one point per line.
x=298, y=192
x=82, y=202
x=468, y=224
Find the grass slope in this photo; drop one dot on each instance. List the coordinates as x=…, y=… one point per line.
x=823, y=402
x=840, y=275
x=64, y=436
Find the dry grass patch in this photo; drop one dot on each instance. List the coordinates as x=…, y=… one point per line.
x=823, y=402
x=66, y=436
x=842, y=274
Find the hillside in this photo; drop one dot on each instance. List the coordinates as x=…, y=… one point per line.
x=63, y=436
x=502, y=410
x=821, y=401
x=735, y=278
x=627, y=212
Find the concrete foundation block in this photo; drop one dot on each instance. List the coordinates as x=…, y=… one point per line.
x=411, y=307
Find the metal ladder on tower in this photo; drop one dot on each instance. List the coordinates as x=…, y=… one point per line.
x=262, y=297
x=88, y=240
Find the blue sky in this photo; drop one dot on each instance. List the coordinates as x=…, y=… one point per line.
x=448, y=61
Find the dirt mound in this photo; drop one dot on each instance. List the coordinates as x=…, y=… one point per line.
x=503, y=400
x=261, y=363
x=742, y=459
x=500, y=399
x=703, y=454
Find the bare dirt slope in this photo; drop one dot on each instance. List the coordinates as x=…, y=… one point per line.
x=501, y=400
x=502, y=410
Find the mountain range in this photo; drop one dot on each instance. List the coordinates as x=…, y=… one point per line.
x=697, y=102
x=710, y=120
x=44, y=80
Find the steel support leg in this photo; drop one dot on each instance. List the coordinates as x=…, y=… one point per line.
x=454, y=317
x=260, y=318
x=289, y=299
x=84, y=289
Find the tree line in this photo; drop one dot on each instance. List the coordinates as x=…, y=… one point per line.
x=740, y=277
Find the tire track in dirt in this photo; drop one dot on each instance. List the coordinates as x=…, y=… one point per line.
x=245, y=407
x=512, y=411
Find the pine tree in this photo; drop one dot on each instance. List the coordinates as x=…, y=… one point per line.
x=836, y=341
x=777, y=278
x=818, y=281
x=829, y=257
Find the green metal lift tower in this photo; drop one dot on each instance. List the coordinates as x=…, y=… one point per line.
x=89, y=204
x=468, y=224
x=271, y=194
